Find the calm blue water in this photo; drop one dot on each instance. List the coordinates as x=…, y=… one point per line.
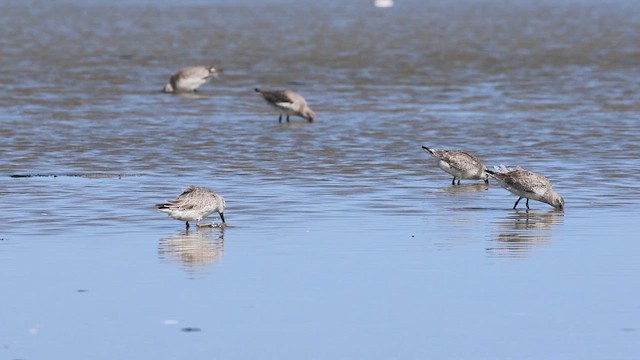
x=345, y=240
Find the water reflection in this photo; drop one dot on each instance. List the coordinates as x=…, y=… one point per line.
x=521, y=231
x=195, y=95
x=193, y=248
x=465, y=188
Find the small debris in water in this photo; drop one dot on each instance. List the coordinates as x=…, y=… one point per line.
x=87, y=175
x=34, y=330
x=82, y=290
x=190, y=329
x=383, y=3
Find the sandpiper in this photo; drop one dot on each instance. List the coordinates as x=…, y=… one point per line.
x=289, y=103
x=195, y=203
x=460, y=164
x=190, y=78
x=527, y=184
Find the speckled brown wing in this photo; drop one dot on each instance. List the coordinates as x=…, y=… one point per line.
x=525, y=181
x=460, y=159
x=276, y=96
x=184, y=201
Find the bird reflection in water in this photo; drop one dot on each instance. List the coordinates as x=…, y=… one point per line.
x=193, y=248
x=521, y=231
x=465, y=188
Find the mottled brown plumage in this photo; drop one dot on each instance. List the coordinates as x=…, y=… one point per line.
x=288, y=103
x=195, y=203
x=190, y=78
x=527, y=184
x=460, y=164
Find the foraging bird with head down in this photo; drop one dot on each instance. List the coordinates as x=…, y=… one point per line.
x=460, y=164
x=190, y=78
x=288, y=103
x=194, y=204
x=527, y=184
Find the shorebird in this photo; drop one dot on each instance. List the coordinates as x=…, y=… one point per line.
x=527, y=184
x=195, y=203
x=460, y=164
x=289, y=103
x=190, y=78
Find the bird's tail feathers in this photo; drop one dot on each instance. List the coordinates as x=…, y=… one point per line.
x=502, y=169
x=163, y=206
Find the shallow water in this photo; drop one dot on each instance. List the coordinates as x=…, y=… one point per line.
x=345, y=240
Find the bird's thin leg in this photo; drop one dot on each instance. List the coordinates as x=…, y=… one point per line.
x=486, y=181
x=187, y=225
x=222, y=217
x=459, y=180
x=517, y=201
x=527, y=203
x=280, y=119
x=453, y=182
x=287, y=117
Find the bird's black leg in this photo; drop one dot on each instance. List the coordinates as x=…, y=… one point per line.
x=527, y=203
x=222, y=217
x=287, y=118
x=453, y=182
x=486, y=181
x=517, y=201
x=280, y=119
x=187, y=225
x=459, y=180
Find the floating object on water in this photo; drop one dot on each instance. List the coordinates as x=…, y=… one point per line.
x=190, y=78
x=460, y=164
x=289, y=103
x=190, y=329
x=383, y=3
x=527, y=184
x=194, y=204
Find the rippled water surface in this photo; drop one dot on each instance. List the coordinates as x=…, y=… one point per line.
x=344, y=238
